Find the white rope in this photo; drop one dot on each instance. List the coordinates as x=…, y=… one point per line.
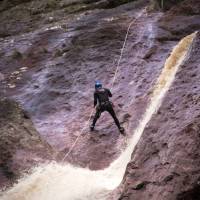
x=121, y=54
x=86, y=124
x=114, y=78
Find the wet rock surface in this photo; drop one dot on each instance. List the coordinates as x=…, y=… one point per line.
x=21, y=145
x=51, y=73
x=165, y=164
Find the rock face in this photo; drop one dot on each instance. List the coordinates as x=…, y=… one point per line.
x=51, y=52
x=165, y=164
x=20, y=16
x=21, y=145
x=51, y=72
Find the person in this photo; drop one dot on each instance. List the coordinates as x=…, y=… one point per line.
x=101, y=96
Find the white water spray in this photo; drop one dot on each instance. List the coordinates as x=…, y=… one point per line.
x=66, y=182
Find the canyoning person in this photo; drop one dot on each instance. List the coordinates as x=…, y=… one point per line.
x=101, y=96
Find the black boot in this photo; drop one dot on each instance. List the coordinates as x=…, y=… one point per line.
x=122, y=131
x=92, y=127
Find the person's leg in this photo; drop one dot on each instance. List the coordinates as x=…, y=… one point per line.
x=112, y=113
x=96, y=117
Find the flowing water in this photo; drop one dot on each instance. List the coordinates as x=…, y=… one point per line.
x=57, y=181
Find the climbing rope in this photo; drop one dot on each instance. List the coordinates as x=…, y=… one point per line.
x=73, y=145
x=121, y=54
x=112, y=83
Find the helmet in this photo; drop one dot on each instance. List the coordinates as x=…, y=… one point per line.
x=98, y=84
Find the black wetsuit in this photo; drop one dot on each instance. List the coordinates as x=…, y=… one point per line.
x=102, y=97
